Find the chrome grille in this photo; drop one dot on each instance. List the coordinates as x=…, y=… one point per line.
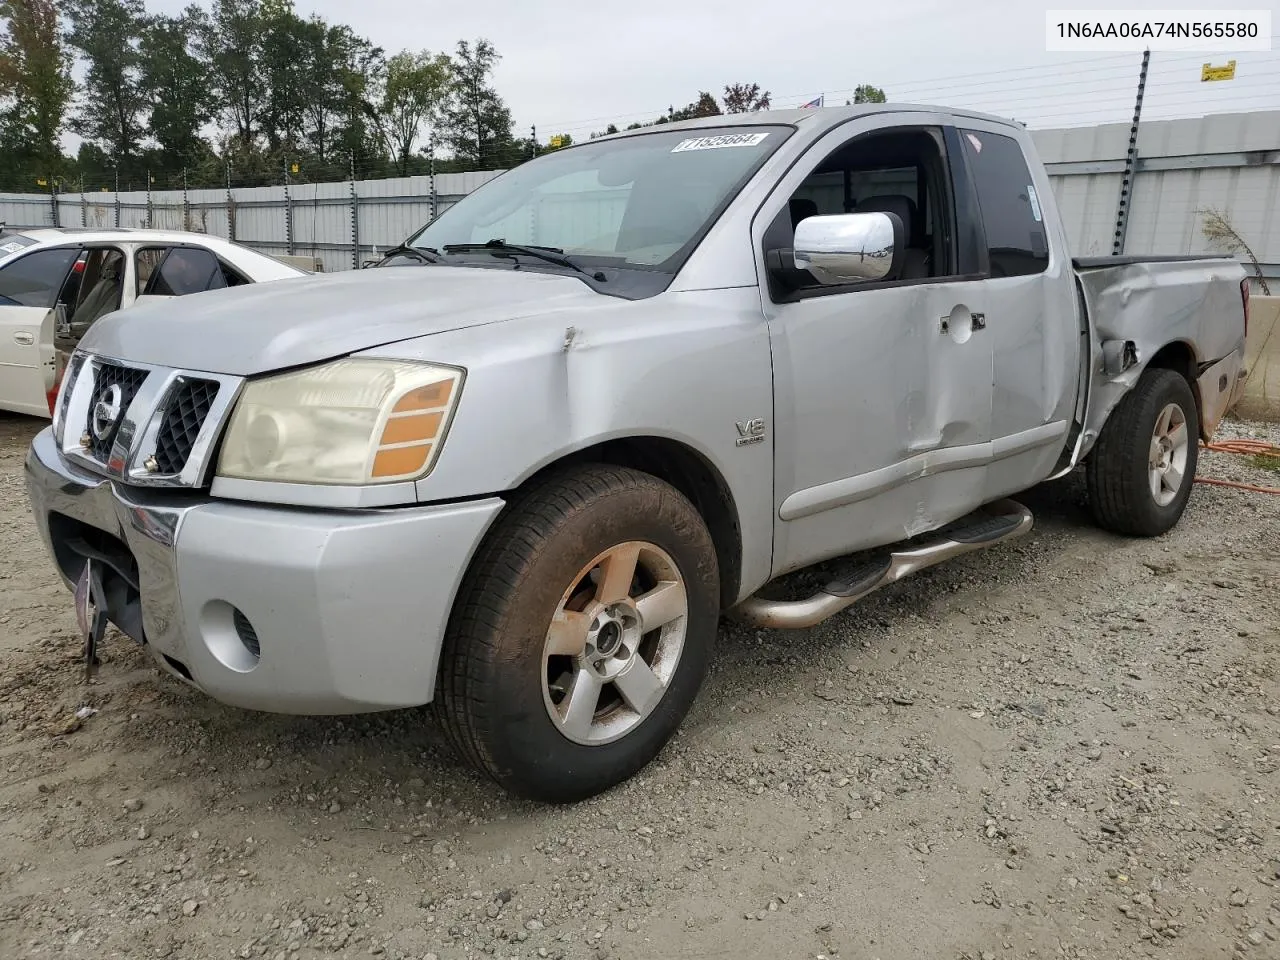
x=184, y=415
x=165, y=424
x=105, y=375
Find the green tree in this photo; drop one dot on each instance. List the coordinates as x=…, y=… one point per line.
x=476, y=123
x=292, y=49
x=866, y=93
x=344, y=116
x=230, y=41
x=704, y=106
x=106, y=35
x=175, y=84
x=35, y=89
x=745, y=98
x=417, y=90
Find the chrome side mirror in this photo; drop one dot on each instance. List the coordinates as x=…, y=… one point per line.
x=850, y=247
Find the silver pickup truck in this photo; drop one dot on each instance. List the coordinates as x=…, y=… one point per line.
x=521, y=468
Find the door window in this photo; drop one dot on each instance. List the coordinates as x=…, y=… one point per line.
x=34, y=280
x=71, y=286
x=186, y=270
x=1016, y=241
x=145, y=262
x=904, y=172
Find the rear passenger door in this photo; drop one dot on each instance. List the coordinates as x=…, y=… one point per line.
x=1032, y=320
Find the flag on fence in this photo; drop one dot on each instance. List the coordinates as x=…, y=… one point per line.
x=815, y=102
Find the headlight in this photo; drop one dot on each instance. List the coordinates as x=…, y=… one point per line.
x=352, y=421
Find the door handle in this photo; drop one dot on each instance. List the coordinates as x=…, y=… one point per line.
x=23, y=338
x=961, y=323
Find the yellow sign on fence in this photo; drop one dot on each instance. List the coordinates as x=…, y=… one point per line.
x=1210, y=72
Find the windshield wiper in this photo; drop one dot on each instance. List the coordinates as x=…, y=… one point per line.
x=549, y=254
x=423, y=254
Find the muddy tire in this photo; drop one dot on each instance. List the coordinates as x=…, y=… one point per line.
x=1140, y=473
x=581, y=633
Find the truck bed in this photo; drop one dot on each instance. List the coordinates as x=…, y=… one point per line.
x=1138, y=306
x=1128, y=260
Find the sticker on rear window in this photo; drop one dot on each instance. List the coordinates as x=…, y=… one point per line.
x=1035, y=202
x=12, y=247
x=716, y=143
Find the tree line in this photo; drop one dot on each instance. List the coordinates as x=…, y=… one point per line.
x=252, y=89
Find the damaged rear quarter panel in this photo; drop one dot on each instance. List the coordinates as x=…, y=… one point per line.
x=1152, y=304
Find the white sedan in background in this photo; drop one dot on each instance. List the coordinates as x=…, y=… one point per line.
x=55, y=283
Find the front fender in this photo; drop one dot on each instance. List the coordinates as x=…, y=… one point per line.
x=686, y=367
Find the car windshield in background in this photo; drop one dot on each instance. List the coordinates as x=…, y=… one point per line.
x=630, y=210
x=13, y=242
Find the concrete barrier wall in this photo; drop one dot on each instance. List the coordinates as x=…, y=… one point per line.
x=1261, y=397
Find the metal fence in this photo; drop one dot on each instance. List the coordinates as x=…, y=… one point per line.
x=340, y=223
x=1227, y=162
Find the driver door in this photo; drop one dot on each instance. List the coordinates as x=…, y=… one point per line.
x=29, y=289
x=883, y=389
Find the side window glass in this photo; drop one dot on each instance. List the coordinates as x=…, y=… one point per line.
x=36, y=279
x=231, y=277
x=70, y=292
x=1016, y=240
x=186, y=270
x=145, y=261
x=902, y=172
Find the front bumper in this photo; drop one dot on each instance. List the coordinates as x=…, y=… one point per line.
x=346, y=608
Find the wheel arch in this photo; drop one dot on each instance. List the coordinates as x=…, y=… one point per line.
x=690, y=472
x=1181, y=357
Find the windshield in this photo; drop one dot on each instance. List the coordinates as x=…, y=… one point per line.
x=637, y=204
x=11, y=242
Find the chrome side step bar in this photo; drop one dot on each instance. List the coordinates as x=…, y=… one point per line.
x=996, y=523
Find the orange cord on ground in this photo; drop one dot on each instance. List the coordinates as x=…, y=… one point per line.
x=1245, y=448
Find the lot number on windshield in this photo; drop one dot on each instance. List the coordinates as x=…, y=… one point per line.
x=715, y=143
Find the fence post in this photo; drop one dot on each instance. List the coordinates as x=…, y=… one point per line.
x=117, y=204
x=83, y=221
x=149, y=207
x=431, y=171
x=186, y=204
x=53, y=200
x=1130, y=165
x=288, y=212
x=231, y=208
x=355, y=218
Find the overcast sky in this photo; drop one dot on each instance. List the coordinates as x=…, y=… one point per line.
x=573, y=66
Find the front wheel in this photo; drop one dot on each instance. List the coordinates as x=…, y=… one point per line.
x=1140, y=473
x=581, y=634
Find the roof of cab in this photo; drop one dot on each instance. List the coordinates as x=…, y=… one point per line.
x=813, y=119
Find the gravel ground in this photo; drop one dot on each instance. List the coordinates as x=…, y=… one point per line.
x=1064, y=747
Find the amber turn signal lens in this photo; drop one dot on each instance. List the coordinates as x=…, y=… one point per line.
x=398, y=461
x=416, y=428
x=431, y=397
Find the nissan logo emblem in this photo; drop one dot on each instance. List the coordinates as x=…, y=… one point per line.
x=107, y=411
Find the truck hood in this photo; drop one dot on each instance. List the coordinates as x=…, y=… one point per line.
x=287, y=323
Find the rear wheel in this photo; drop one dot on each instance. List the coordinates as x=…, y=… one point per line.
x=1140, y=472
x=581, y=633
